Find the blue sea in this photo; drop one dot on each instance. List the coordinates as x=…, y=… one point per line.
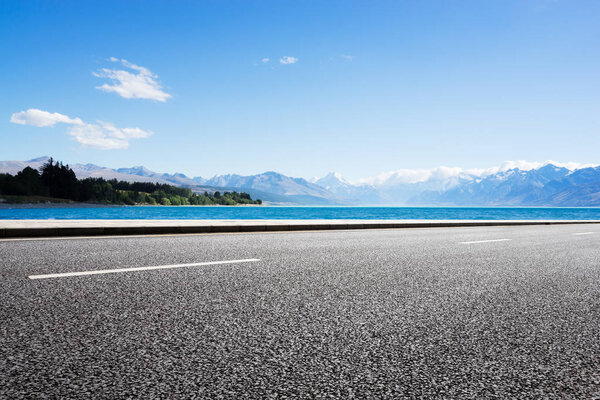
x=272, y=212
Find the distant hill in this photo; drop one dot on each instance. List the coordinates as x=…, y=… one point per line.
x=299, y=189
x=547, y=185
x=177, y=178
x=271, y=187
x=87, y=171
x=13, y=167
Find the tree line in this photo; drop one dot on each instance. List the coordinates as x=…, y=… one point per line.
x=58, y=181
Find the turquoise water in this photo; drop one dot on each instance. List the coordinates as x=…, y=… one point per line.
x=264, y=212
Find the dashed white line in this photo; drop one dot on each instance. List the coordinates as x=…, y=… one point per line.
x=584, y=233
x=485, y=241
x=116, y=270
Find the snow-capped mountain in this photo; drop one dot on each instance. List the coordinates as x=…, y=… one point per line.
x=548, y=185
x=580, y=188
x=361, y=193
x=511, y=184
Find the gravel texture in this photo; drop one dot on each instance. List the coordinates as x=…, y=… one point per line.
x=351, y=314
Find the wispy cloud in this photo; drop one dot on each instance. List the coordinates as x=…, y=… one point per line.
x=265, y=60
x=415, y=175
x=105, y=135
x=347, y=57
x=41, y=118
x=135, y=83
x=288, y=60
x=101, y=135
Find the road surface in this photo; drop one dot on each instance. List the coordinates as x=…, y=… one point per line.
x=457, y=313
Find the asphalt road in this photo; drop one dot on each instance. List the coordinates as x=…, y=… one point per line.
x=418, y=313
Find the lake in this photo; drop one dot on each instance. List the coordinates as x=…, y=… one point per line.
x=272, y=212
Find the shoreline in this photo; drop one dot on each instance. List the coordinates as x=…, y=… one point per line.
x=8, y=206
x=4, y=205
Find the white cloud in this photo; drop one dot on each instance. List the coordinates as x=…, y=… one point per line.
x=105, y=135
x=413, y=175
x=40, y=118
x=266, y=60
x=288, y=60
x=137, y=83
x=102, y=135
x=347, y=57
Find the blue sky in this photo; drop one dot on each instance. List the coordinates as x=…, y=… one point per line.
x=370, y=86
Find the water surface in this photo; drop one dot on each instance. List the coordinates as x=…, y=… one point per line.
x=271, y=212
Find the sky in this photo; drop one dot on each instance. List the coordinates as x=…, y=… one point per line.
x=300, y=87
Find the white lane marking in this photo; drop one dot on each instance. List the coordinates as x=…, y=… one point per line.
x=486, y=241
x=116, y=270
x=584, y=233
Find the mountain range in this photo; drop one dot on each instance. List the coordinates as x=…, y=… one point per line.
x=548, y=184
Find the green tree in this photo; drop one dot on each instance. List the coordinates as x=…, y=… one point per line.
x=30, y=182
